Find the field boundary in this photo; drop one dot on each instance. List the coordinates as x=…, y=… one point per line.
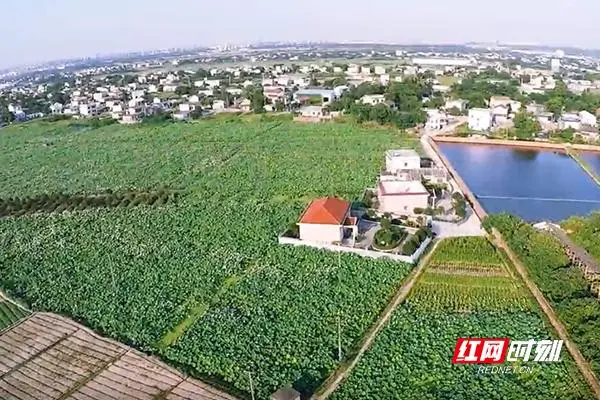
x=580, y=361
x=516, y=143
x=6, y=298
x=336, y=378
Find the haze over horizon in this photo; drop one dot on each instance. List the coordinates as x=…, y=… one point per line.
x=35, y=32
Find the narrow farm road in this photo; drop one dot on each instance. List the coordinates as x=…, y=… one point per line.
x=580, y=361
x=336, y=378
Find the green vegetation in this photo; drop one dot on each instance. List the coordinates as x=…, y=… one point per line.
x=389, y=236
x=404, y=107
x=466, y=251
x=563, y=285
x=585, y=231
x=414, y=242
x=459, y=204
x=141, y=275
x=561, y=99
x=58, y=202
x=413, y=353
x=10, y=313
x=478, y=88
x=526, y=126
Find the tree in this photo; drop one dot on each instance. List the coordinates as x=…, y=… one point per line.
x=181, y=90
x=526, y=125
x=6, y=117
x=197, y=113
x=555, y=105
x=257, y=98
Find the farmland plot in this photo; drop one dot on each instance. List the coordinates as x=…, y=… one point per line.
x=203, y=283
x=10, y=313
x=412, y=356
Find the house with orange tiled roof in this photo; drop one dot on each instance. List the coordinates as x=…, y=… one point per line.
x=327, y=220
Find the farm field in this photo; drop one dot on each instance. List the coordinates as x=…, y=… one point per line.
x=411, y=358
x=563, y=285
x=9, y=313
x=203, y=282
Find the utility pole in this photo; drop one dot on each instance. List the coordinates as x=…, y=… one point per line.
x=339, y=319
x=339, y=326
x=251, y=386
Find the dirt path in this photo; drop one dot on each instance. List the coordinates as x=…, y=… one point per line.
x=580, y=361
x=336, y=378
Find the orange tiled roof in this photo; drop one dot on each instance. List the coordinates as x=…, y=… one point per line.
x=326, y=211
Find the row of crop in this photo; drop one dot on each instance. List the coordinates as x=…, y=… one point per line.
x=59, y=202
x=474, y=267
x=431, y=296
x=412, y=359
x=9, y=313
x=476, y=250
x=562, y=284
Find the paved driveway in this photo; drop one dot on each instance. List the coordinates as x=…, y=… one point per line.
x=470, y=227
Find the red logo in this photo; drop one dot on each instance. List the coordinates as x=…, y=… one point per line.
x=480, y=350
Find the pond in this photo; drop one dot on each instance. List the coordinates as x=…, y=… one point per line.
x=533, y=184
x=593, y=159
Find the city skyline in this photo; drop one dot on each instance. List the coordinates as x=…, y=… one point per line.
x=65, y=30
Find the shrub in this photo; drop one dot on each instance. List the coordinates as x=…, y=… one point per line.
x=457, y=196
x=418, y=210
x=409, y=247
x=293, y=231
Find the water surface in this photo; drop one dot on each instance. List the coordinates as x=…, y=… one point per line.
x=592, y=158
x=533, y=184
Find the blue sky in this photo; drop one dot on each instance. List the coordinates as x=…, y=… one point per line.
x=42, y=30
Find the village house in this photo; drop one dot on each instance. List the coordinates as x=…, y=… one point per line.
x=56, y=108
x=569, y=121
x=379, y=70
x=246, y=105
x=372, y=99
x=401, y=197
x=588, y=119
x=513, y=105
x=324, y=96
x=218, y=105
x=403, y=159
x=206, y=92
x=327, y=220
x=274, y=93
x=436, y=119
x=459, y=104
x=311, y=112
x=480, y=119
x=500, y=114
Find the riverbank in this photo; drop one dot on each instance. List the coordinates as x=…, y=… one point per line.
x=516, y=143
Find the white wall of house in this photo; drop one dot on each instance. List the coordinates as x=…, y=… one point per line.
x=372, y=99
x=588, y=118
x=395, y=163
x=403, y=204
x=321, y=233
x=480, y=119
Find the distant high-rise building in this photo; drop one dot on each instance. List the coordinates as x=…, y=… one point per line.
x=555, y=65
